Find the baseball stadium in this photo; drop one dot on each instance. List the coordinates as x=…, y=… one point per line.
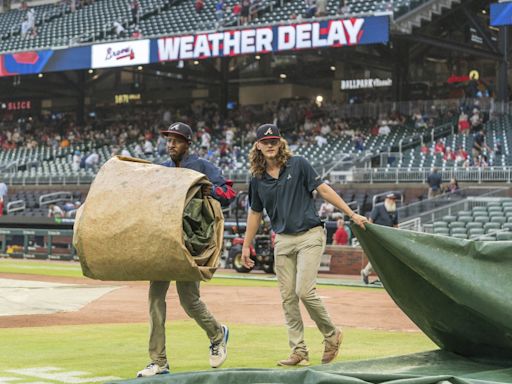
x=255, y=191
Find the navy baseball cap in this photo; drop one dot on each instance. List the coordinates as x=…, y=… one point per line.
x=178, y=128
x=267, y=131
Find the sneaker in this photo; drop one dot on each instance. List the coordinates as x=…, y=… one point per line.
x=295, y=359
x=332, y=346
x=364, y=276
x=219, y=351
x=153, y=369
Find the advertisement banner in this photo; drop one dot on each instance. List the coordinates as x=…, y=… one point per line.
x=501, y=14
x=305, y=35
x=34, y=62
x=120, y=54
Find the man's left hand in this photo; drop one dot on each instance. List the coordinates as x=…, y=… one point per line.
x=359, y=220
x=206, y=189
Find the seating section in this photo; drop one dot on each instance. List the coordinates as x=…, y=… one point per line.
x=35, y=206
x=492, y=221
x=497, y=131
x=58, y=26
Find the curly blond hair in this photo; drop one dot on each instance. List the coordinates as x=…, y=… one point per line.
x=257, y=160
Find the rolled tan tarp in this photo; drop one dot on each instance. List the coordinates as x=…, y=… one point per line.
x=131, y=224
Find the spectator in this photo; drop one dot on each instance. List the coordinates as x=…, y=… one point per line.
x=136, y=34
x=344, y=9
x=479, y=144
x=382, y=214
x=463, y=123
x=219, y=10
x=476, y=121
x=199, y=6
x=148, y=148
x=75, y=161
x=460, y=156
x=321, y=8
x=449, y=154
x=236, y=11
x=384, y=128
x=55, y=211
x=453, y=186
x=439, y=148
x=119, y=30
x=359, y=142
x=424, y=149
x=326, y=210
x=340, y=237
x=310, y=8
x=3, y=196
x=135, y=11
x=245, y=12
x=419, y=121
x=434, y=181
x=92, y=161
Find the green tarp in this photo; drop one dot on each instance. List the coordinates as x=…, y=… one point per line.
x=198, y=225
x=459, y=292
x=437, y=367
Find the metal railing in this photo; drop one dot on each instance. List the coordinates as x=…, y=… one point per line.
x=448, y=199
x=419, y=175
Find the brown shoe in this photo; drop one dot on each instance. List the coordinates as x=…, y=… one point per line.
x=332, y=346
x=294, y=359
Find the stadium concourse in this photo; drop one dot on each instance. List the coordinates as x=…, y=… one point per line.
x=402, y=97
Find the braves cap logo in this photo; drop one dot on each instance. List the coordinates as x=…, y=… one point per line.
x=268, y=131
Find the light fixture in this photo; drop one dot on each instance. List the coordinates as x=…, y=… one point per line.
x=282, y=76
x=139, y=67
x=333, y=68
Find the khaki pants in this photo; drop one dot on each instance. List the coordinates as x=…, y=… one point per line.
x=190, y=300
x=297, y=259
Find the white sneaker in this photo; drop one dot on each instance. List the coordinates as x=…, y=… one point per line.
x=219, y=351
x=153, y=369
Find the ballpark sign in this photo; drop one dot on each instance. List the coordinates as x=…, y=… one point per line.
x=321, y=34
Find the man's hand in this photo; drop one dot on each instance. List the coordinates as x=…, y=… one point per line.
x=359, y=220
x=246, y=258
x=206, y=190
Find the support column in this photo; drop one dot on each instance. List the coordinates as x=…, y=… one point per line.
x=502, y=93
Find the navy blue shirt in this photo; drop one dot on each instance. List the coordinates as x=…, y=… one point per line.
x=220, y=190
x=380, y=216
x=288, y=199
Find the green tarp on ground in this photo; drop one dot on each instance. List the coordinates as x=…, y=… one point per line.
x=436, y=367
x=459, y=292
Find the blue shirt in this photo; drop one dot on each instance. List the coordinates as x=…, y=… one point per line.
x=221, y=191
x=288, y=199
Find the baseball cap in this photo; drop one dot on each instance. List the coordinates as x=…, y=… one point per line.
x=178, y=128
x=390, y=196
x=267, y=131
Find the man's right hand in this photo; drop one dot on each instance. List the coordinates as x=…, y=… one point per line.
x=246, y=258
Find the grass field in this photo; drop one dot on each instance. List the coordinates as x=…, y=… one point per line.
x=120, y=350
x=49, y=354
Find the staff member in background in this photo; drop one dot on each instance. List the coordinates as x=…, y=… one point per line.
x=179, y=137
x=283, y=184
x=382, y=214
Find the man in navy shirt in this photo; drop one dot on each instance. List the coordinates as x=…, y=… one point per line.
x=382, y=214
x=283, y=185
x=179, y=137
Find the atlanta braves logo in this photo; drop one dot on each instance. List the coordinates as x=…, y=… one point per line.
x=268, y=132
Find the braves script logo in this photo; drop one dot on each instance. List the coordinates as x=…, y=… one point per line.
x=120, y=54
x=268, y=132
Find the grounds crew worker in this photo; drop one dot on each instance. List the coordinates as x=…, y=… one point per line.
x=179, y=137
x=283, y=184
